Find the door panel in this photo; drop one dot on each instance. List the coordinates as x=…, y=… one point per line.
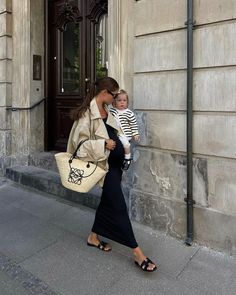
x=72, y=57
x=69, y=51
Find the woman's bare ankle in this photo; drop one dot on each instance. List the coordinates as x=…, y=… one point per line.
x=92, y=237
x=139, y=257
x=138, y=254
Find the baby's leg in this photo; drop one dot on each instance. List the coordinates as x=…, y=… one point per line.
x=127, y=152
x=126, y=145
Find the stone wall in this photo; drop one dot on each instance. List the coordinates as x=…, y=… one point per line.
x=28, y=40
x=5, y=77
x=159, y=98
x=22, y=36
x=120, y=42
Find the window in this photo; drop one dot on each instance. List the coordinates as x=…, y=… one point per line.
x=101, y=47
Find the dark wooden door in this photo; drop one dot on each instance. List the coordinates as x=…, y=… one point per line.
x=75, y=58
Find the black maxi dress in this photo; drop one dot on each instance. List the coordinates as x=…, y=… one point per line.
x=111, y=218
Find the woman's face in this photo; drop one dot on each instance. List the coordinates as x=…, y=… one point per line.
x=109, y=96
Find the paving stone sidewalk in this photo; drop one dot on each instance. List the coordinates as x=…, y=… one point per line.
x=43, y=251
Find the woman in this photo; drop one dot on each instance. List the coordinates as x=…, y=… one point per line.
x=94, y=122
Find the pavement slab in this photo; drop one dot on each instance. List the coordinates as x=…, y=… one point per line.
x=25, y=234
x=43, y=251
x=77, y=220
x=10, y=287
x=171, y=255
x=14, y=280
x=70, y=265
x=213, y=271
x=31, y=202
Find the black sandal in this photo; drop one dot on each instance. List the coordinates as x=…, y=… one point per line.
x=144, y=265
x=126, y=164
x=101, y=246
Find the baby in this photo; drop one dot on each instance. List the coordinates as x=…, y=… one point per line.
x=127, y=122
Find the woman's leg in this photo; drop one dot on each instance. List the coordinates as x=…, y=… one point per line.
x=93, y=239
x=139, y=257
x=138, y=253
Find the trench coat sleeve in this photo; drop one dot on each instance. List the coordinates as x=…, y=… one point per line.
x=92, y=149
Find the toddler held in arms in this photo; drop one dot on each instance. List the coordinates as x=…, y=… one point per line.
x=127, y=122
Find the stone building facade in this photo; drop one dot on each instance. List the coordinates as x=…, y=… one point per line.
x=147, y=49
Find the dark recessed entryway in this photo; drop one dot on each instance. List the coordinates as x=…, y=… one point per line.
x=76, y=53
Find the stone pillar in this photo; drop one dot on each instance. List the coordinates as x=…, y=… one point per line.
x=120, y=40
x=5, y=78
x=120, y=52
x=28, y=39
x=37, y=86
x=114, y=38
x=21, y=76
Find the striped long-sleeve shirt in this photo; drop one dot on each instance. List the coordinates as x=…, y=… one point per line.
x=127, y=120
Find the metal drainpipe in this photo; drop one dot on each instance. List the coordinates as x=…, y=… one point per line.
x=189, y=200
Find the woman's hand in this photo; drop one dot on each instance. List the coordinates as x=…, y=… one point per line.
x=110, y=144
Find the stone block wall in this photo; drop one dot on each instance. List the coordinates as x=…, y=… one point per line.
x=5, y=76
x=28, y=40
x=159, y=98
x=21, y=37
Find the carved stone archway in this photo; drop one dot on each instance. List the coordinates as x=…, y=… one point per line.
x=67, y=13
x=96, y=8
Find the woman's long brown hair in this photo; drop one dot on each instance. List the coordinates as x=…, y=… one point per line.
x=106, y=83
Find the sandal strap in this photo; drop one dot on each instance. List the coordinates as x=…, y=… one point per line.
x=102, y=245
x=128, y=160
x=149, y=260
x=144, y=264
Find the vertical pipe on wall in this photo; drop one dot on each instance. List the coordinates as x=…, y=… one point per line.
x=189, y=200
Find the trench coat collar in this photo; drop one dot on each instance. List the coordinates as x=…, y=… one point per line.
x=95, y=114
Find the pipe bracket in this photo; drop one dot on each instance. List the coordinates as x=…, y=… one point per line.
x=190, y=22
x=189, y=201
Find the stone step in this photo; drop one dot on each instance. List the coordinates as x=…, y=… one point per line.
x=45, y=160
x=49, y=182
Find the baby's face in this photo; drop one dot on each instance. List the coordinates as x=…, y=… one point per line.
x=121, y=102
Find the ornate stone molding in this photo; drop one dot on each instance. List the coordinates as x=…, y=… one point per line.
x=67, y=13
x=96, y=9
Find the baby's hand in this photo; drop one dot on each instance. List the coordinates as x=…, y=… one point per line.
x=110, y=144
x=137, y=138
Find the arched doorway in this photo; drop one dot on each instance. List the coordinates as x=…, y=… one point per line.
x=76, y=55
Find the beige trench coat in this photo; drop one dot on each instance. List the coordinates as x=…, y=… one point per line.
x=92, y=127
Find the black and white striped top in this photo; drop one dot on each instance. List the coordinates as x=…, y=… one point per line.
x=127, y=120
